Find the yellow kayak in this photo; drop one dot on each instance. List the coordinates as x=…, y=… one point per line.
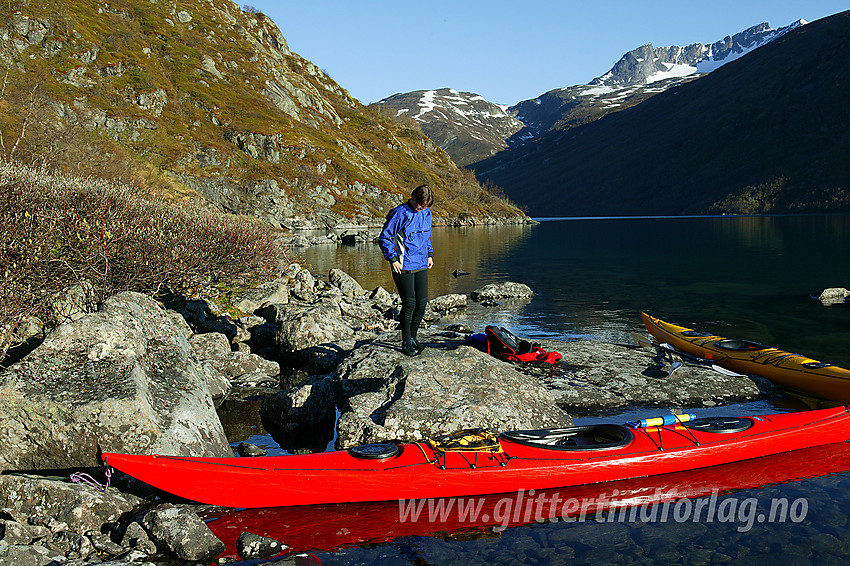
x=784, y=368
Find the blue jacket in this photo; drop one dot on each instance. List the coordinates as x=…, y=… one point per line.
x=406, y=236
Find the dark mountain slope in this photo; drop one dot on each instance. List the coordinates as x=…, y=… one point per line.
x=769, y=132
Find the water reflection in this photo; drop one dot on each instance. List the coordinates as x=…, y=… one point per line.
x=470, y=249
x=708, y=499
x=746, y=277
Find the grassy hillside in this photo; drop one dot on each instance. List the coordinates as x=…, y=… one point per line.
x=198, y=100
x=769, y=132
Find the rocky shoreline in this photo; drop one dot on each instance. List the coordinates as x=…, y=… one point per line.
x=306, y=233
x=146, y=377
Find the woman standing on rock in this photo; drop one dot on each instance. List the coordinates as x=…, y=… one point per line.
x=405, y=242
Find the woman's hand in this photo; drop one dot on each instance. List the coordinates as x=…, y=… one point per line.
x=396, y=266
x=430, y=262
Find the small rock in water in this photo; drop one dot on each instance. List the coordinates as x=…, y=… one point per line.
x=459, y=273
x=247, y=449
x=834, y=296
x=489, y=303
x=250, y=545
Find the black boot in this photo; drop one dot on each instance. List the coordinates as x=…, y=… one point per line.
x=408, y=349
x=419, y=347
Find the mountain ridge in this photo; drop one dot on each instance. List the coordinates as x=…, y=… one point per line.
x=765, y=133
x=639, y=74
x=647, y=64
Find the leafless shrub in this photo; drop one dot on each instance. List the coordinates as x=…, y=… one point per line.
x=61, y=231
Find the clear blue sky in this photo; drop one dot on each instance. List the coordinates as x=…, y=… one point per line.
x=504, y=51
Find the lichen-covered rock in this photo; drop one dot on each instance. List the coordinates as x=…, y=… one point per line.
x=271, y=292
x=240, y=368
x=26, y=555
x=346, y=283
x=81, y=507
x=834, y=296
x=182, y=534
x=305, y=326
x=450, y=386
x=596, y=375
x=304, y=286
x=122, y=379
x=438, y=307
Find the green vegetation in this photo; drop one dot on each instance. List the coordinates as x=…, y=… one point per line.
x=758, y=199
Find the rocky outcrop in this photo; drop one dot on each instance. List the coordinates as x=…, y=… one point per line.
x=60, y=505
x=384, y=395
x=121, y=379
x=596, y=375
x=313, y=151
x=132, y=367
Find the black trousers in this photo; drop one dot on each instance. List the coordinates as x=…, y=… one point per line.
x=413, y=288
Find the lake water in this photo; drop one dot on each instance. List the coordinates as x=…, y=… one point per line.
x=741, y=277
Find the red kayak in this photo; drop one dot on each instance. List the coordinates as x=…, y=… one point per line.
x=479, y=463
x=336, y=526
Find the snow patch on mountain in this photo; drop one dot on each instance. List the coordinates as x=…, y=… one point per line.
x=648, y=64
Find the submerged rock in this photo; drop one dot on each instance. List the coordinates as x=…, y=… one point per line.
x=182, y=534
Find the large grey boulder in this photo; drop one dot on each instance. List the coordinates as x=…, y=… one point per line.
x=385, y=395
x=122, y=379
x=346, y=283
x=304, y=286
x=182, y=534
x=303, y=326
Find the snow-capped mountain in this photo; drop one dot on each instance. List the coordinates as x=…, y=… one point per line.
x=565, y=108
x=767, y=133
x=470, y=128
x=465, y=124
x=648, y=64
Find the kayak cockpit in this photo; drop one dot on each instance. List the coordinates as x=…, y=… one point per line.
x=593, y=437
x=740, y=345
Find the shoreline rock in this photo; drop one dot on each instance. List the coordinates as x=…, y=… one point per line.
x=353, y=384
x=365, y=232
